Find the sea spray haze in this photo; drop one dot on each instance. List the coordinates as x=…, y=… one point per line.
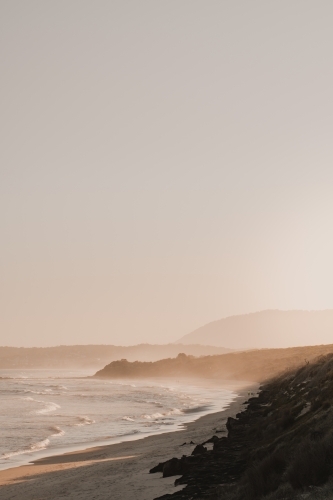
x=48, y=411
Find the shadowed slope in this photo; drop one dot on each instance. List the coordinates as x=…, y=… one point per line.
x=279, y=448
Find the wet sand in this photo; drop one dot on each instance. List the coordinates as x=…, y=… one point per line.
x=117, y=471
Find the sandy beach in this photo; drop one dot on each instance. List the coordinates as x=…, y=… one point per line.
x=118, y=471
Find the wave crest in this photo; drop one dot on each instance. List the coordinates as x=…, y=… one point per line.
x=40, y=445
x=84, y=421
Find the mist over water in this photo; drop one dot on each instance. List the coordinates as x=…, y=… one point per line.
x=48, y=411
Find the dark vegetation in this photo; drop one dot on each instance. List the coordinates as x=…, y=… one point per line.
x=247, y=365
x=279, y=447
x=93, y=356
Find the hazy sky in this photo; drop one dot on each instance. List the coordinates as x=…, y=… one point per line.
x=163, y=164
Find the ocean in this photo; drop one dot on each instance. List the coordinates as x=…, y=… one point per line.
x=46, y=412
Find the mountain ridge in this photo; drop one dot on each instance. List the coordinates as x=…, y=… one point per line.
x=270, y=328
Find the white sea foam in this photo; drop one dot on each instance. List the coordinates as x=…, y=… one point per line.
x=56, y=386
x=40, y=445
x=84, y=421
x=57, y=432
x=48, y=407
x=154, y=416
x=174, y=411
x=46, y=392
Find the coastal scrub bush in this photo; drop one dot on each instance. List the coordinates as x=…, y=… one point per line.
x=265, y=476
x=284, y=492
x=311, y=464
x=317, y=403
x=287, y=419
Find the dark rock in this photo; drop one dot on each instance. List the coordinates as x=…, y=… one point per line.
x=220, y=443
x=157, y=468
x=231, y=422
x=172, y=467
x=211, y=440
x=199, y=449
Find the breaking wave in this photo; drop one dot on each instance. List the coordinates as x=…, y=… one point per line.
x=174, y=411
x=84, y=421
x=48, y=407
x=57, y=432
x=40, y=445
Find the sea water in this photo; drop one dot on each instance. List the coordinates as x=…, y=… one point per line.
x=45, y=412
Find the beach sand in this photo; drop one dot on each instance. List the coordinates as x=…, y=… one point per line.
x=117, y=471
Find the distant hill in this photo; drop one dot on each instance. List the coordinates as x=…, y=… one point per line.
x=256, y=365
x=266, y=329
x=95, y=356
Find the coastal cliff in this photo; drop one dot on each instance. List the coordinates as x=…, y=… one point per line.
x=279, y=447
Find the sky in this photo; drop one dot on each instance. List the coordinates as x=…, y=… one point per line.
x=163, y=164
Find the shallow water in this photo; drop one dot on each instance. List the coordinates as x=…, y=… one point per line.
x=43, y=411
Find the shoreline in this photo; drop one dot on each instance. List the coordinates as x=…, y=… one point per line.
x=121, y=469
x=27, y=457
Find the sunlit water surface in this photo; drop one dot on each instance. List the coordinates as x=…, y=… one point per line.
x=44, y=412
